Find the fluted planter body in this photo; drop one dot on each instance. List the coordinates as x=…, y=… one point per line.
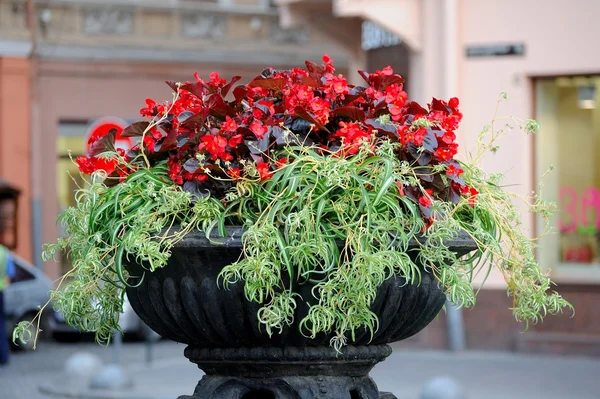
x=185, y=302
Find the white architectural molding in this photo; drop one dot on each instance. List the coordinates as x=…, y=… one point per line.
x=202, y=25
x=15, y=48
x=220, y=56
x=279, y=34
x=170, y=5
x=107, y=20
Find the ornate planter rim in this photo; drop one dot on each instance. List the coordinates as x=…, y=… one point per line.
x=462, y=243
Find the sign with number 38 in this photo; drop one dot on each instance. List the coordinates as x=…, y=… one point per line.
x=579, y=210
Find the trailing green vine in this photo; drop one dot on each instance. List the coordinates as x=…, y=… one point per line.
x=332, y=184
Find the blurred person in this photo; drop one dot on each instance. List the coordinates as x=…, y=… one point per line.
x=7, y=272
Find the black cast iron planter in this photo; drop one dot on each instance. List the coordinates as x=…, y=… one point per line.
x=183, y=302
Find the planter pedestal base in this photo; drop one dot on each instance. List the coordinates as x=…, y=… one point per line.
x=288, y=373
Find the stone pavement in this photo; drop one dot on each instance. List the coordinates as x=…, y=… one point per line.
x=484, y=375
x=22, y=378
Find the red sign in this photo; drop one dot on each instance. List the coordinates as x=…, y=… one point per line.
x=102, y=126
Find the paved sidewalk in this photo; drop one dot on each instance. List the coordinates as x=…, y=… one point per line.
x=483, y=375
x=492, y=375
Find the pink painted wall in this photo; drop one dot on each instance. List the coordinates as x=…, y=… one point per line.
x=15, y=140
x=560, y=38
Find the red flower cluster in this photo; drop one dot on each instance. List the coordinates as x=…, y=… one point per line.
x=90, y=164
x=209, y=142
x=353, y=136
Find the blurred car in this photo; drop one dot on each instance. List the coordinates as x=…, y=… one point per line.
x=29, y=290
x=129, y=322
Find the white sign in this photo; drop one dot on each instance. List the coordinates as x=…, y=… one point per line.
x=374, y=37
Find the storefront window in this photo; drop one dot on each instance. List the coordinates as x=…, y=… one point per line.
x=70, y=144
x=569, y=113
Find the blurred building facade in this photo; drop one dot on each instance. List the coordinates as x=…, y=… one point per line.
x=65, y=63
x=542, y=54
x=96, y=58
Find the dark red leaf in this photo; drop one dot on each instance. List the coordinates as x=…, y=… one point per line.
x=211, y=167
x=191, y=165
x=365, y=76
x=240, y=93
x=135, y=129
x=245, y=132
x=309, y=117
x=422, y=158
x=315, y=71
x=133, y=152
x=382, y=82
x=172, y=85
x=438, y=105
x=306, y=81
x=355, y=93
x=354, y=113
x=225, y=89
x=104, y=143
x=196, y=188
x=430, y=141
x=268, y=83
x=438, y=183
x=454, y=196
x=184, y=116
x=424, y=173
x=456, y=179
x=313, y=67
x=218, y=107
x=380, y=104
x=437, y=132
x=298, y=125
x=158, y=144
x=387, y=129
x=182, y=140
x=415, y=108
x=413, y=193
x=198, y=89
x=167, y=143
x=193, y=120
x=348, y=98
x=258, y=147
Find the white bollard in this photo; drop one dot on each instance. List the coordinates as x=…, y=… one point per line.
x=80, y=367
x=111, y=377
x=443, y=388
